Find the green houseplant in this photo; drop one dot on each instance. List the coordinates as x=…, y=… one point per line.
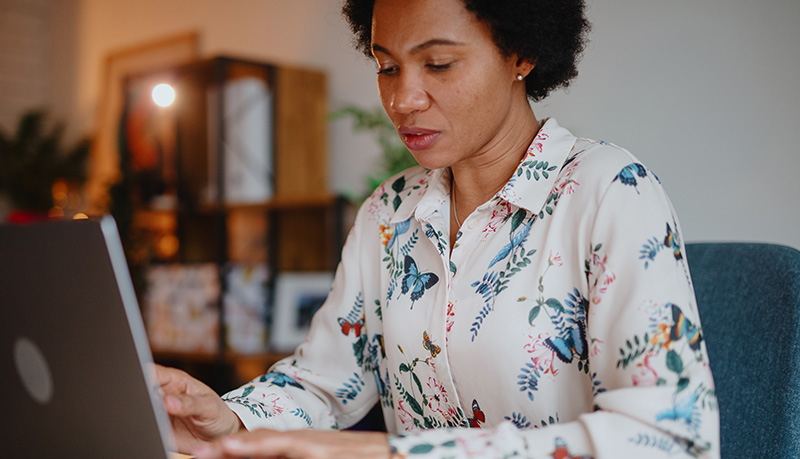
x=395, y=156
x=33, y=158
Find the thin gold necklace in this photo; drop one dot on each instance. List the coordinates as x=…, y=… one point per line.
x=453, y=201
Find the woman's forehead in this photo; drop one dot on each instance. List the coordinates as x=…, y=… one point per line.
x=408, y=25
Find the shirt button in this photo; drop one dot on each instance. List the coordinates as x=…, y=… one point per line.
x=472, y=224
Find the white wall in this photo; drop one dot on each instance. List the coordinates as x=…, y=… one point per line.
x=299, y=32
x=704, y=92
x=24, y=59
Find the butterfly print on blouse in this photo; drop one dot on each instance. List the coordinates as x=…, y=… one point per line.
x=627, y=176
x=562, y=451
x=280, y=380
x=477, y=417
x=432, y=348
x=348, y=326
x=571, y=344
x=415, y=281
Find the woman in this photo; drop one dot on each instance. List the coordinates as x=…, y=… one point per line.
x=522, y=281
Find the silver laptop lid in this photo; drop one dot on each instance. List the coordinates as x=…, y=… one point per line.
x=74, y=357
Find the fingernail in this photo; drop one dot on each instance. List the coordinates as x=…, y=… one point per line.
x=172, y=402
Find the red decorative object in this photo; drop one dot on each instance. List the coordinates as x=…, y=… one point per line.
x=26, y=216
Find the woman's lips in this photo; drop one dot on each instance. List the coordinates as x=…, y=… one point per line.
x=417, y=138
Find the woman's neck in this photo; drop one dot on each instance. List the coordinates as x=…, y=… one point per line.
x=480, y=178
x=475, y=181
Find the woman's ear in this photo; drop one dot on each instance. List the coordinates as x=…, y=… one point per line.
x=524, y=67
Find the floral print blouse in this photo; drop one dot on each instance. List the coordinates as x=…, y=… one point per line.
x=562, y=323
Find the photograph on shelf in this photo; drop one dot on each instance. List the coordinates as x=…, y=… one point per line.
x=245, y=303
x=297, y=298
x=246, y=141
x=181, y=308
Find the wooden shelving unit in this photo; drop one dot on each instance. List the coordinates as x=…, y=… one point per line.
x=300, y=226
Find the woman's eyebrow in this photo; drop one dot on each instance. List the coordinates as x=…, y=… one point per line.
x=420, y=47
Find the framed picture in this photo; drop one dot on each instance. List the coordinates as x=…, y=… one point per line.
x=297, y=298
x=145, y=58
x=180, y=308
x=245, y=302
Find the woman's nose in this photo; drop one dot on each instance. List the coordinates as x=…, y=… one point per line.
x=409, y=95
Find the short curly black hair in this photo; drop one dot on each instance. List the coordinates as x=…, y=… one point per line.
x=551, y=33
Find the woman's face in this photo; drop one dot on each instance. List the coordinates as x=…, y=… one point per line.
x=446, y=86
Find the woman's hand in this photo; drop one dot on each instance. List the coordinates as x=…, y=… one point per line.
x=198, y=415
x=306, y=444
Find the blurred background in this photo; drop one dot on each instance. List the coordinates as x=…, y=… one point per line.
x=225, y=187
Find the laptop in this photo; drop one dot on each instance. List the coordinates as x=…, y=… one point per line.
x=75, y=379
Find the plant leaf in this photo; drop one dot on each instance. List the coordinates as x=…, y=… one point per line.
x=533, y=314
x=518, y=218
x=555, y=304
x=674, y=362
x=399, y=184
x=412, y=402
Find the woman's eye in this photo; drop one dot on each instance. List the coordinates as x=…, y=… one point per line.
x=387, y=71
x=440, y=67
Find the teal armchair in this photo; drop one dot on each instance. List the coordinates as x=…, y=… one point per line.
x=748, y=295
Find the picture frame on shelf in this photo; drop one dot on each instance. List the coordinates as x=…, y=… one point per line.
x=246, y=140
x=298, y=296
x=180, y=308
x=245, y=302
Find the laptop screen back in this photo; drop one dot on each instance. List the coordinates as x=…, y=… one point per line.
x=73, y=350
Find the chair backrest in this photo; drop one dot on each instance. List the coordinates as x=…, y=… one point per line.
x=748, y=295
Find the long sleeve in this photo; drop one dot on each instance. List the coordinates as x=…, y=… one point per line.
x=654, y=360
x=323, y=385
x=632, y=328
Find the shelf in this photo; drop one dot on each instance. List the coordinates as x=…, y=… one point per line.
x=277, y=203
x=212, y=357
x=245, y=367
x=244, y=131
x=294, y=202
x=201, y=357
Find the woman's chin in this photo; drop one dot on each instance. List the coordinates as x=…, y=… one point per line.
x=432, y=159
x=431, y=163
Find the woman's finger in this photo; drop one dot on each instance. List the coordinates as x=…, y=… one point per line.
x=258, y=443
x=306, y=444
x=174, y=405
x=186, y=405
x=172, y=380
x=211, y=450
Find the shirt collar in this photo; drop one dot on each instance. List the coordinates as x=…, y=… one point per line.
x=530, y=185
x=433, y=192
x=528, y=188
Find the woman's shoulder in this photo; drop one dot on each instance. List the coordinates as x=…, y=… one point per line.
x=602, y=163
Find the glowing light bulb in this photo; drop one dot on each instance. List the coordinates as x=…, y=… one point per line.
x=163, y=95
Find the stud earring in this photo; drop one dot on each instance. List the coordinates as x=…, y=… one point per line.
x=519, y=77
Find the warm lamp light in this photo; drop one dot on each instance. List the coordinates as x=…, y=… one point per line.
x=163, y=95
x=167, y=246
